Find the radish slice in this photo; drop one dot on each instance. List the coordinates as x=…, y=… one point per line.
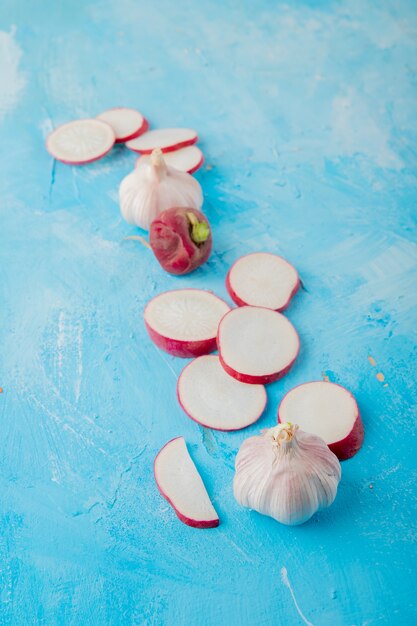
x=184, y=322
x=327, y=410
x=126, y=123
x=216, y=400
x=188, y=159
x=262, y=279
x=81, y=141
x=180, y=483
x=257, y=345
x=167, y=139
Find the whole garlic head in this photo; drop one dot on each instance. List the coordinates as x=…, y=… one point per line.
x=286, y=473
x=152, y=187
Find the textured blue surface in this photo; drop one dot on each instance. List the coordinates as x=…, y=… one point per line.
x=307, y=115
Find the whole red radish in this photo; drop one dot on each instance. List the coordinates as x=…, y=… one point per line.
x=180, y=239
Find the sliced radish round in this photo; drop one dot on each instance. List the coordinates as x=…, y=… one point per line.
x=81, y=141
x=257, y=345
x=180, y=483
x=184, y=322
x=328, y=411
x=167, y=139
x=126, y=123
x=188, y=159
x=216, y=400
x=262, y=279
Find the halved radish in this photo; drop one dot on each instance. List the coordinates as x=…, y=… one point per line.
x=327, y=410
x=167, y=139
x=216, y=400
x=126, y=123
x=262, y=279
x=180, y=483
x=257, y=345
x=184, y=322
x=81, y=141
x=188, y=159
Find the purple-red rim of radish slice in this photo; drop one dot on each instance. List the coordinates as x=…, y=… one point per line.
x=126, y=123
x=166, y=139
x=188, y=159
x=180, y=483
x=262, y=279
x=327, y=410
x=81, y=141
x=184, y=322
x=257, y=345
x=212, y=398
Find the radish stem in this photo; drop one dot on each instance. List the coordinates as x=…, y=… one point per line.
x=199, y=230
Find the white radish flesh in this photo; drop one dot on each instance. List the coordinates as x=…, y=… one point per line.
x=262, y=279
x=328, y=411
x=166, y=139
x=81, y=141
x=216, y=400
x=257, y=345
x=180, y=483
x=184, y=322
x=188, y=159
x=126, y=123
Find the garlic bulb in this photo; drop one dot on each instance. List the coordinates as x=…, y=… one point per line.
x=286, y=473
x=152, y=187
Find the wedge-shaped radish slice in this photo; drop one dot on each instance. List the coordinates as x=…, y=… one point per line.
x=257, y=345
x=167, y=139
x=81, y=141
x=126, y=123
x=184, y=322
x=327, y=410
x=216, y=400
x=180, y=483
x=262, y=279
x=188, y=159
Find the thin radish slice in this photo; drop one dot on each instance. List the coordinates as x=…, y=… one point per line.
x=262, y=279
x=180, y=483
x=81, y=141
x=184, y=322
x=327, y=410
x=126, y=123
x=257, y=345
x=167, y=139
x=188, y=159
x=216, y=400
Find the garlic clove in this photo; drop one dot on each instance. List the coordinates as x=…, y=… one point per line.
x=286, y=473
x=153, y=187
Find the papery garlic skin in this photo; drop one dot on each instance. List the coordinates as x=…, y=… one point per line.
x=152, y=187
x=286, y=473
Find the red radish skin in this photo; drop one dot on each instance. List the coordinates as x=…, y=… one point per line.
x=68, y=142
x=210, y=305
x=233, y=292
x=263, y=378
x=188, y=159
x=204, y=418
x=166, y=139
x=194, y=523
x=171, y=240
x=345, y=447
x=126, y=123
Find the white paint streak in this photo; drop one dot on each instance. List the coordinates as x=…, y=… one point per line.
x=79, y=375
x=11, y=80
x=285, y=580
x=60, y=344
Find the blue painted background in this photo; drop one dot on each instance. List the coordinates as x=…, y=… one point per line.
x=307, y=116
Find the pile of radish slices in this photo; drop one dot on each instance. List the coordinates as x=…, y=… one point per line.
x=87, y=140
x=256, y=346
